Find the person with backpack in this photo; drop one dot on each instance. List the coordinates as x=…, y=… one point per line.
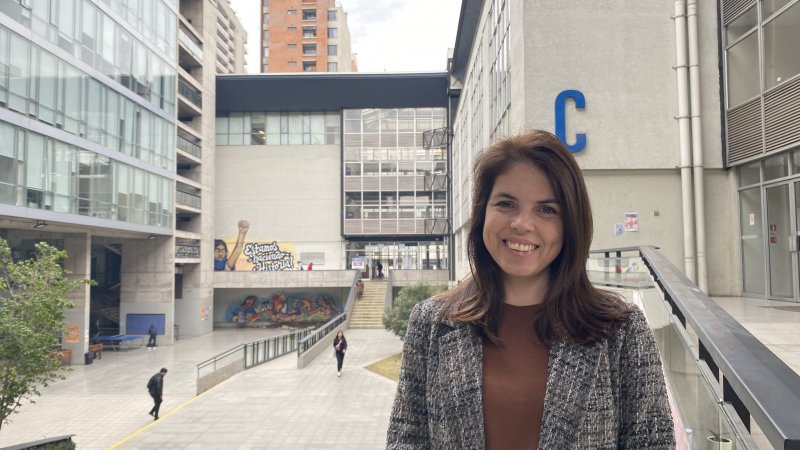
x=156, y=389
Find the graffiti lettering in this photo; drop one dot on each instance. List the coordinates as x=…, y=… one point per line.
x=267, y=256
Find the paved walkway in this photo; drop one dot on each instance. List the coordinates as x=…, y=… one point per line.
x=274, y=406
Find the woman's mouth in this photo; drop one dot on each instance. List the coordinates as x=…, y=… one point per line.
x=519, y=247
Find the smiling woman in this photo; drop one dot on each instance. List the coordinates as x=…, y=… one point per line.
x=525, y=352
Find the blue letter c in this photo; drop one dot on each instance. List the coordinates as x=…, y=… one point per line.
x=561, y=126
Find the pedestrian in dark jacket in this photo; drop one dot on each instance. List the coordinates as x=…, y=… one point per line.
x=156, y=389
x=151, y=343
x=339, y=346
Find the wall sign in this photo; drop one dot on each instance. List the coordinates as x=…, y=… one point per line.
x=561, y=124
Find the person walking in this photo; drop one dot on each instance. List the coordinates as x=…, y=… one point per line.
x=310, y=266
x=151, y=343
x=360, y=289
x=380, y=270
x=156, y=389
x=339, y=346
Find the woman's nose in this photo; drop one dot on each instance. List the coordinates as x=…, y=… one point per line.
x=523, y=222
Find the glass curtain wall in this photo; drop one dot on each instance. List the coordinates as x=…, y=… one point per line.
x=410, y=255
x=44, y=173
x=392, y=184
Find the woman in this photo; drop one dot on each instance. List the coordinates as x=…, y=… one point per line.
x=525, y=352
x=224, y=262
x=339, y=347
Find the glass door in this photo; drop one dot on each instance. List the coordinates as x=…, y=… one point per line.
x=780, y=242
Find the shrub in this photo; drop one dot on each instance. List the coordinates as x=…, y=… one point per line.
x=396, y=319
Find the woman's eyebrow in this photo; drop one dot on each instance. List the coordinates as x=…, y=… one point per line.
x=504, y=195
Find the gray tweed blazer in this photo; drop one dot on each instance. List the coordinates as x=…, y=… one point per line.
x=610, y=394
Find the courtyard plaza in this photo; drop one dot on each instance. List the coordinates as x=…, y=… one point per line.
x=272, y=406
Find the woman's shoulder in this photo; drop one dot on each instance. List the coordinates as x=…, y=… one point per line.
x=429, y=310
x=633, y=326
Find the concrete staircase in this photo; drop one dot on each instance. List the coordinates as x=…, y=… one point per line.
x=368, y=312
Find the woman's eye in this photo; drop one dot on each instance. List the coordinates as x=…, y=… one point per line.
x=549, y=210
x=503, y=204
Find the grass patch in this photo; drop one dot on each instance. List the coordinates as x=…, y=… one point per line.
x=387, y=367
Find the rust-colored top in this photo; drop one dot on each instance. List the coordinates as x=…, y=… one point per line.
x=514, y=382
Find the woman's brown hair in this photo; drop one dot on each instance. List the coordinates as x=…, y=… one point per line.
x=573, y=309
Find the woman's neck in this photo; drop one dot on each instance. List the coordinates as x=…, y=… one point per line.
x=524, y=292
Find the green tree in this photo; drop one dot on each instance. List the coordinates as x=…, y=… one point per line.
x=396, y=319
x=32, y=302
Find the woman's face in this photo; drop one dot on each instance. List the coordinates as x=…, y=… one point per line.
x=220, y=252
x=523, y=231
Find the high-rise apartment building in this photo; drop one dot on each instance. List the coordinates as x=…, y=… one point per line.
x=210, y=41
x=305, y=36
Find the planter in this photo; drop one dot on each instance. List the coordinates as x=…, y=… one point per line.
x=718, y=443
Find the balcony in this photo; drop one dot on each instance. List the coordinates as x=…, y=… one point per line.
x=189, y=147
x=186, y=199
x=190, y=93
x=193, y=50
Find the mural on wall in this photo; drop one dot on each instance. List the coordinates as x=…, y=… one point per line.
x=283, y=308
x=258, y=256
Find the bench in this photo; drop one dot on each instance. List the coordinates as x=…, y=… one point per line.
x=97, y=349
x=62, y=354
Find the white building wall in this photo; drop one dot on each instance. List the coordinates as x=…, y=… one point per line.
x=621, y=56
x=288, y=194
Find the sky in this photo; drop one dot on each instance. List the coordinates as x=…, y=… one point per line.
x=387, y=35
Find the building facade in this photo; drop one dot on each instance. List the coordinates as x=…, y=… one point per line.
x=305, y=36
x=334, y=170
x=612, y=80
x=91, y=95
x=762, y=125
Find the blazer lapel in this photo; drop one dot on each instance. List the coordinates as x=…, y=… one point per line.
x=571, y=375
x=460, y=379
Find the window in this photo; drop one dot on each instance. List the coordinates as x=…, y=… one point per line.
x=333, y=33
x=291, y=12
x=332, y=50
x=309, y=66
x=292, y=45
x=292, y=28
x=780, y=56
x=743, y=77
x=265, y=68
x=309, y=49
x=292, y=63
x=332, y=15
x=333, y=67
x=309, y=32
x=309, y=14
x=741, y=25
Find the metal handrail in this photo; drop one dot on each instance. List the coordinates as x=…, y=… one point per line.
x=265, y=350
x=213, y=360
x=309, y=341
x=754, y=380
x=287, y=340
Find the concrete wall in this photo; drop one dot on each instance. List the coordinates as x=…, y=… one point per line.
x=621, y=57
x=79, y=252
x=225, y=299
x=290, y=195
x=408, y=277
x=148, y=281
